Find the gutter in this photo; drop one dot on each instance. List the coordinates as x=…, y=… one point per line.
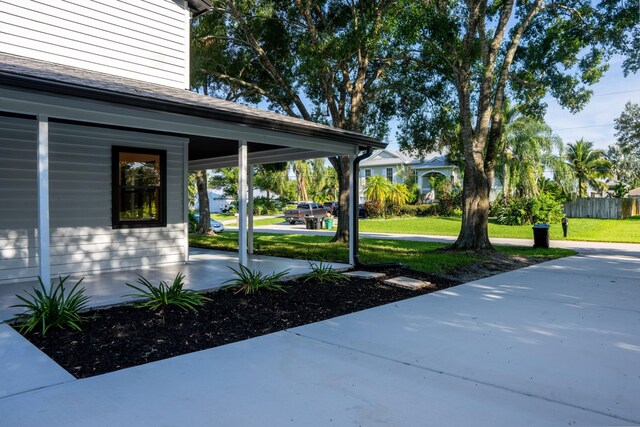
x=355, y=216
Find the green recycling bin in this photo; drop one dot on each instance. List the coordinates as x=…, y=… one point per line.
x=328, y=223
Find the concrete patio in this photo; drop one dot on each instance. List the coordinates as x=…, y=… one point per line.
x=205, y=270
x=556, y=343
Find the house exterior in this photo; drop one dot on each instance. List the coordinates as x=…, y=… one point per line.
x=98, y=132
x=397, y=165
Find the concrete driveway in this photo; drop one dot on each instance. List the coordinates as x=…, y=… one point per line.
x=553, y=344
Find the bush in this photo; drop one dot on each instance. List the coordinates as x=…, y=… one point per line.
x=408, y=210
x=51, y=308
x=164, y=295
x=428, y=209
x=251, y=281
x=264, y=206
x=374, y=209
x=323, y=273
x=541, y=209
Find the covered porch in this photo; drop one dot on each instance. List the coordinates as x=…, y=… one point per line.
x=205, y=270
x=64, y=122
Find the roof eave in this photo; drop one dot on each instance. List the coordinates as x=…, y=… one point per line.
x=63, y=88
x=198, y=7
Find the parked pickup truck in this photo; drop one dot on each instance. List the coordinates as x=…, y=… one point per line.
x=303, y=210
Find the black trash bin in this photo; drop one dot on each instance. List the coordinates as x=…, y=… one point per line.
x=312, y=223
x=541, y=236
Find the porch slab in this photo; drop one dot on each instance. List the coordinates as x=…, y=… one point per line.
x=24, y=367
x=205, y=270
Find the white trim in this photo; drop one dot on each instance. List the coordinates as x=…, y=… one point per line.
x=242, y=203
x=187, y=46
x=185, y=174
x=250, y=211
x=44, y=258
x=98, y=112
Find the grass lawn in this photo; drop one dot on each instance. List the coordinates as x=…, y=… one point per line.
x=421, y=256
x=587, y=229
x=256, y=223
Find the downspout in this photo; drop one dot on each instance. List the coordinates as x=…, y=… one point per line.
x=354, y=200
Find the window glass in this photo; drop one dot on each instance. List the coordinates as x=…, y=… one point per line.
x=139, y=187
x=390, y=174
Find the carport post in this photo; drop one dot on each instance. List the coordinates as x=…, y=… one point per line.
x=242, y=203
x=250, y=209
x=44, y=258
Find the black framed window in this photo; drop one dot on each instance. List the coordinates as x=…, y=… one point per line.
x=390, y=174
x=139, y=178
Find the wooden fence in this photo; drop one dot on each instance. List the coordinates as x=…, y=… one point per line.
x=607, y=208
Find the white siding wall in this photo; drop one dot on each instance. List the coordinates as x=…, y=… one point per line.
x=82, y=238
x=140, y=39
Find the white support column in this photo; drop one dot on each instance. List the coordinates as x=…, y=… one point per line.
x=250, y=209
x=352, y=212
x=242, y=203
x=44, y=258
x=185, y=178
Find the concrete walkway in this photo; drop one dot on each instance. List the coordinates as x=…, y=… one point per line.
x=554, y=344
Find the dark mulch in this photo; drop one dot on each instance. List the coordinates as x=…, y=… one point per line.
x=123, y=336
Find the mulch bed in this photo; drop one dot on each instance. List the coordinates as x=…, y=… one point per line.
x=123, y=336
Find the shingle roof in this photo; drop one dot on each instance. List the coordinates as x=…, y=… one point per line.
x=18, y=71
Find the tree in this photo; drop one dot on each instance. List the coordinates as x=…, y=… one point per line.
x=526, y=149
x=319, y=60
x=203, y=202
x=301, y=169
x=377, y=189
x=473, y=55
x=625, y=165
x=628, y=128
x=398, y=196
x=588, y=165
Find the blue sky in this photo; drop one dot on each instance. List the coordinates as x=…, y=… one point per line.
x=595, y=122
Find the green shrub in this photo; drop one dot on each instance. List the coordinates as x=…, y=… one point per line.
x=193, y=222
x=374, y=209
x=546, y=209
x=251, y=281
x=428, y=209
x=163, y=295
x=541, y=209
x=52, y=308
x=408, y=210
x=323, y=273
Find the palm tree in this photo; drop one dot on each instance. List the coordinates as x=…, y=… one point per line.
x=527, y=149
x=588, y=165
x=377, y=189
x=398, y=195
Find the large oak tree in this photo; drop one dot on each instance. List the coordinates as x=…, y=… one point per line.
x=319, y=60
x=470, y=56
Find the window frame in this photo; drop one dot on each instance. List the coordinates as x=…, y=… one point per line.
x=116, y=222
x=367, y=174
x=389, y=178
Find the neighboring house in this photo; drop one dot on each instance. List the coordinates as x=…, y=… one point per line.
x=98, y=132
x=396, y=165
x=634, y=193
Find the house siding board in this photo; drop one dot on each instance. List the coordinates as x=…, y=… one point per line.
x=82, y=239
x=139, y=40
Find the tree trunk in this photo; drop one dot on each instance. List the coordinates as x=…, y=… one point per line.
x=341, y=165
x=203, y=202
x=474, y=234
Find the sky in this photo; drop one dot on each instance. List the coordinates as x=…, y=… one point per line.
x=595, y=122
